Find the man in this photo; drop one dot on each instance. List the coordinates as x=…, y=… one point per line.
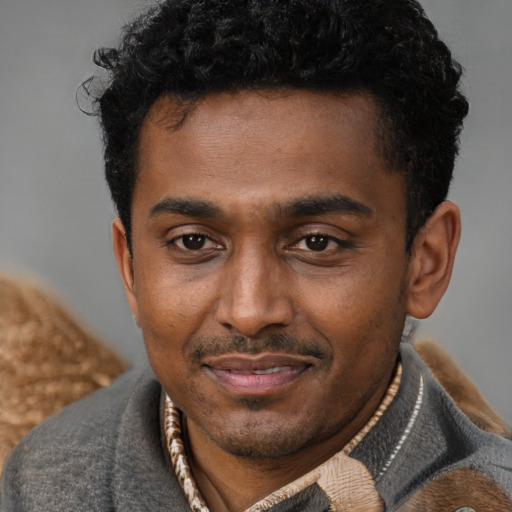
x=280, y=171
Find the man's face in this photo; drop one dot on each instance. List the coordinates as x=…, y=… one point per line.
x=269, y=269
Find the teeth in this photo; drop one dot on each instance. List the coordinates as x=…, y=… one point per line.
x=268, y=371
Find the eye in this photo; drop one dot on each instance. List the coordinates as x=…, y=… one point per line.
x=194, y=242
x=320, y=243
x=317, y=242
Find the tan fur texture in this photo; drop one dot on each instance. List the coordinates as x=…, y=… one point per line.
x=461, y=488
x=47, y=360
x=460, y=387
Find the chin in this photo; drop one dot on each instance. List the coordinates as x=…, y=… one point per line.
x=263, y=439
x=265, y=446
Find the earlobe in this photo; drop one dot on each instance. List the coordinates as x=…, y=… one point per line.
x=432, y=259
x=124, y=262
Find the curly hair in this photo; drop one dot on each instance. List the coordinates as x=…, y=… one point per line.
x=388, y=48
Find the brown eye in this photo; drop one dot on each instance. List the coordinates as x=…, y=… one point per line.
x=317, y=242
x=193, y=242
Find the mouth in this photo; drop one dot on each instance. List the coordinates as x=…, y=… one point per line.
x=257, y=374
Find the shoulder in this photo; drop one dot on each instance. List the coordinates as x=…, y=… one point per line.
x=68, y=460
x=425, y=447
x=78, y=425
x=447, y=453
x=461, y=388
x=462, y=442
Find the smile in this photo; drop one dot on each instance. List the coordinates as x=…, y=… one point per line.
x=248, y=374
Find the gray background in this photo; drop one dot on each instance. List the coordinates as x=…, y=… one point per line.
x=55, y=212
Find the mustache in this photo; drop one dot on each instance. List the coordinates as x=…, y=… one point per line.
x=207, y=346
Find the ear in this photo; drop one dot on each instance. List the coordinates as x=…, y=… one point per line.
x=432, y=258
x=124, y=262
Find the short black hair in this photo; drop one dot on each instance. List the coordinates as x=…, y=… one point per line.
x=188, y=49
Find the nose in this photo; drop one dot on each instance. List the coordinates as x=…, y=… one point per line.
x=254, y=294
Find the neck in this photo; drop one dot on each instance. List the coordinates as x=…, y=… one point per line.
x=233, y=484
x=229, y=484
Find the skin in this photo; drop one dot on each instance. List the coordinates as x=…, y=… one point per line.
x=269, y=236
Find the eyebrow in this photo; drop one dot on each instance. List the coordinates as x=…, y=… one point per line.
x=188, y=207
x=323, y=205
x=309, y=206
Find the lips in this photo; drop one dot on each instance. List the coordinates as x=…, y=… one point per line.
x=249, y=374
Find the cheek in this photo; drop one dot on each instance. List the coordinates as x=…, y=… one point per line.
x=358, y=309
x=170, y=310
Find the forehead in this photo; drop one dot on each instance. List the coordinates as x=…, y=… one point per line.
x=292, y=112
x=263, y=147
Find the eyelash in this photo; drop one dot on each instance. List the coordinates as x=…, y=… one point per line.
x=342, y=244
x=182, y=237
